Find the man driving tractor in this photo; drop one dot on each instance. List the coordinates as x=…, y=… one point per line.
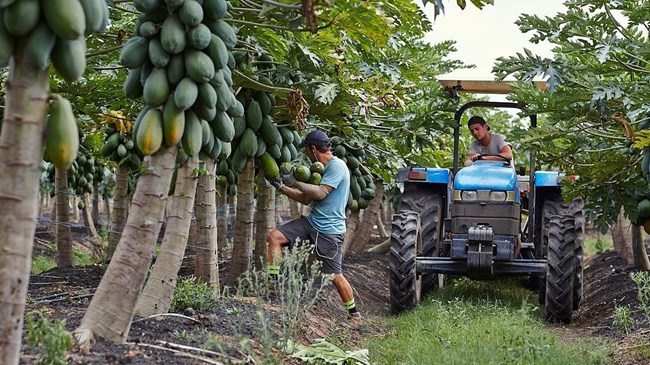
x=488, y=145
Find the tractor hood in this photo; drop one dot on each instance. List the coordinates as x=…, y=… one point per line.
x=486, y=175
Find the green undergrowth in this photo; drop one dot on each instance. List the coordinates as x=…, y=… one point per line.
x=47, y=260
x=474, y=322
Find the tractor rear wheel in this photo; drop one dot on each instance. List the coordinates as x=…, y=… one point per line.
x=429, y=205
x=405, y=283
x=575, y=209
x=561, y=269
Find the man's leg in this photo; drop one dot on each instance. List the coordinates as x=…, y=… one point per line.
x=329, y=251
x=283, y=236
x=344, y=289
x=275, y=240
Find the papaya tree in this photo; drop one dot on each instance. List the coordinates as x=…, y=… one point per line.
x=179, y=62
x=206, y=265
x=49, y=31
x=158, y=291
x=596, y=107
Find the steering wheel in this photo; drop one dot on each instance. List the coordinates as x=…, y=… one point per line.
x=480, y=157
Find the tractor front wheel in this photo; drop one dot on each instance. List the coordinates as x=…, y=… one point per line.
x=405, y=283
x=561, y=269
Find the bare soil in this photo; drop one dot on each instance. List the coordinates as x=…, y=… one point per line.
x=181, y=339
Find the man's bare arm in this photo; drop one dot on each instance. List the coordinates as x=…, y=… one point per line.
x=306, y=193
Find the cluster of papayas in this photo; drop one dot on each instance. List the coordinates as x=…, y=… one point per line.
x=181, y=63
x=119, y=145
x=51, y=30
x=82, y=174
x=312, y=174
x=362, y=184
x=258, y=136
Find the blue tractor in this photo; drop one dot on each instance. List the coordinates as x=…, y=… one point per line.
x=486, y=221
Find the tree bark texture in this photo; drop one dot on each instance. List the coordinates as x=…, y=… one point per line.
x=294, y=209
x=159, y=289
x=353, y=222
x=88, y=218
x=111, y=308
x=63, y=232
x=206, y=265
x=365, y=228
x=264, y=220
x=621, y=232
x=242, y=247
x=641, y=261
x=120, y=206
x=222, y=216
x=21, y=153
x=95, y=201
x=381, y=228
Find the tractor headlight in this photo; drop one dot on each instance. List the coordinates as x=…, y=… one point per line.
x=497, y=196
x=469, y=195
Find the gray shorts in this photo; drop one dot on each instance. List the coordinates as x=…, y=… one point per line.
x=328, y=247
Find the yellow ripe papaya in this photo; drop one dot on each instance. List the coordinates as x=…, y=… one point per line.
x=193, y=135
x=62, y=134
x=150, y=132
x=173, y=123
x=66, y=18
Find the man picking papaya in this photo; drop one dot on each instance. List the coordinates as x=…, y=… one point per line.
x=325, y=226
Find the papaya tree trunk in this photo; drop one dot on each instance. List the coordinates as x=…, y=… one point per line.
x=159, y=289
x=63, y=232
x=95, y=201
x=264, y=220
x=242, y=248
x=641, y=261
x=120, y=204
x=206, y=265
x=381, y=228
x=89, y=222
x=352, y=225
x=111, y=308
x=21, y=153
x=222, y=215
x=294, y=209
x=622, y=239
x=370, y=214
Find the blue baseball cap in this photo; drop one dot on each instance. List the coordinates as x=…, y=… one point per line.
x=315, y=138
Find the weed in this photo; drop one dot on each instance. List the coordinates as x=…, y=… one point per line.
x=182, y=335
x=52, y=337
x=297, y=288
x=623, y=319
x=41, y=264
x=642, y=281
x=190, y=293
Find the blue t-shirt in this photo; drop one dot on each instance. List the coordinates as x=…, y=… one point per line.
x=328, y=215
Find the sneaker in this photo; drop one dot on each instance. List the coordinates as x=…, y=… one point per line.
x=354, y=318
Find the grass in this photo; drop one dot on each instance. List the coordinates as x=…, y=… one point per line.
x=42, y=263
x=598, y=244
x=472, y=322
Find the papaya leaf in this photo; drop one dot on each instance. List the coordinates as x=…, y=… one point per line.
x=326, y=93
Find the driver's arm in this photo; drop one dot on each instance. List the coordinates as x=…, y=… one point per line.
x=506, y=152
